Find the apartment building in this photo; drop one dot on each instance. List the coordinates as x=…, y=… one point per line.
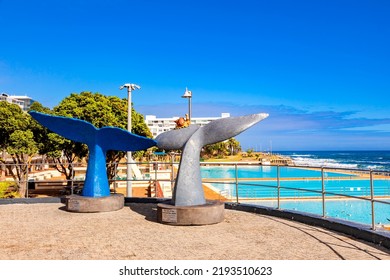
x=160, y=125
x=23, y=101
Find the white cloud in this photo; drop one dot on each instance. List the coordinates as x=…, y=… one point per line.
x=289, y=128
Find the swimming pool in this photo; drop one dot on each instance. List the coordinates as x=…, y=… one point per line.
x=358, y=211
x=265, y=172
x=263, y=191
x=308, y=188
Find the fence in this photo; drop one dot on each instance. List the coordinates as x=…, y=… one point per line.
x=314, y=189
x=281, y=187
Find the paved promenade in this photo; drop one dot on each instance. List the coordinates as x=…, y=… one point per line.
x=46, y=231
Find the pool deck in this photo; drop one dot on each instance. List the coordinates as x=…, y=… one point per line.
x=45, y=231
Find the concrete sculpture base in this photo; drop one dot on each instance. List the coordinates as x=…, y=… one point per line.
x=210, y=213
x=84, y=204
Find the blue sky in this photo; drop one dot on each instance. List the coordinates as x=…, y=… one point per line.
x=319, y=68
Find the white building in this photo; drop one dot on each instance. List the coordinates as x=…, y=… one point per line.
x=160, y=125
x=23, y=101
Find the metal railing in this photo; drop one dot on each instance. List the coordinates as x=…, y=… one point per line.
x=270, y=185
x=322, y=193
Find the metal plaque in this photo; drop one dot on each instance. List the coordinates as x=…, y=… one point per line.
x=169, y=215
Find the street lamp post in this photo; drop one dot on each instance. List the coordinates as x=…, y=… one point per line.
x=188, y=94
x=130, y=87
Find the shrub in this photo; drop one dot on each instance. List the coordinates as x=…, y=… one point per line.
x=8, y=190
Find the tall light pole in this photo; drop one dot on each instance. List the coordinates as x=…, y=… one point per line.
x=188, y=94
x=130, y=87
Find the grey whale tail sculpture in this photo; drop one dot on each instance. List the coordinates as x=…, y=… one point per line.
x=188, y=189
x=99, y=141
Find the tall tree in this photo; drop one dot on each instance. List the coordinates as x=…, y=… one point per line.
x=233, y=146
x=59, y=151
x=17, y=139
x=100, y=110
x=221, y=149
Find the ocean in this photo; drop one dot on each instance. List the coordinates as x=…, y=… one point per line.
x=375, y=160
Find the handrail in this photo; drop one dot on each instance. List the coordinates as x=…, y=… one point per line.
x=323, y=191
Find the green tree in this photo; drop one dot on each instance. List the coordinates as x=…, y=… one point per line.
x=221, y=149
x=58, y=150
x=41, y=134
x=233, y=146
x=17, y=140
x=100, y=110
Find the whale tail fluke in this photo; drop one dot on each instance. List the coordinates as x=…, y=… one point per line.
x=122, y=140
x=175, y=139
x=70, y=128
x=188, y=190
x=109, y=138
x=99, y=141
x=226, y=128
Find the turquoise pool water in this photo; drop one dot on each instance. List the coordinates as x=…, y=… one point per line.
x=264, y=172
x=265, y=193
x=310, y=188
x=358, y=211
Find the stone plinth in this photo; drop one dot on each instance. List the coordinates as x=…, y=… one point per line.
x=210, y=213
x=84, y=204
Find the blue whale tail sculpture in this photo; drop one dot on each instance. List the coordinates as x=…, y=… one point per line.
x=99, y=141
x=188, y=189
